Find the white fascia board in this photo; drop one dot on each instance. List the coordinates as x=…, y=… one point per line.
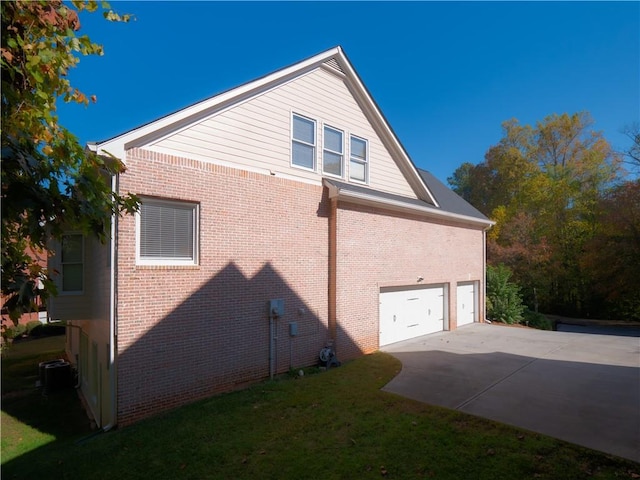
x=399, y=206
x=136, y=137
x=115, y=149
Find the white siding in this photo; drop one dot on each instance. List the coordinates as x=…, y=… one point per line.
x=89, y=313
x=256, y=133
x=93, y=302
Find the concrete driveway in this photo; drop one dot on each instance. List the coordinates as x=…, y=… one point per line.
x=580, y=387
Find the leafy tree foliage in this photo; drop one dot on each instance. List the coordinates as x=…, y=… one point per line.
x=612, y=255
x=504, y=303
x=49, y=181
x=542, y=184
x=462, y=181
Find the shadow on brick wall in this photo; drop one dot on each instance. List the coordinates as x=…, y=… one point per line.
x=218, y=339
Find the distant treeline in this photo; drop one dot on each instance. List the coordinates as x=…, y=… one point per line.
x=567, y=215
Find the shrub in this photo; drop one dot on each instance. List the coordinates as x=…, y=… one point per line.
x=16, y=331
x=537, y=320
x=48, y=330
x=31, y=325
x=504, y=302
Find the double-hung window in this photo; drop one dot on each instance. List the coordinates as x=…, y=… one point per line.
x=72, y=263
x=359, y=160
x=167, y=232
x=332, y=152
x=303, y=142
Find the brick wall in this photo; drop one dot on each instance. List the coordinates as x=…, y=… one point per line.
x=378, y=248
x=187, y=332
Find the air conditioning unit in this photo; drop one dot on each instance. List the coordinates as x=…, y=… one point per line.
x=41, y=369
x=57, y=376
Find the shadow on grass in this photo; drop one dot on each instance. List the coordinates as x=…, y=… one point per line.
x=31, y=418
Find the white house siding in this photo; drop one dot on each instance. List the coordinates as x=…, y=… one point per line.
x=88, y=314
x=75, y=306
x=256, y=134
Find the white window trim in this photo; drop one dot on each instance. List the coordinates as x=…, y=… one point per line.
x=314, y=145
x=72, y=292
x=367, y=162
x=324, y=148
x=167, y=261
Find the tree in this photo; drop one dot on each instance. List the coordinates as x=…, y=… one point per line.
x=633, y=152
x=612, y=256
x=49, y=181
x=541, y=185
x=529, y=254
x=500, y=180
x=462, y=180
x=579, y=166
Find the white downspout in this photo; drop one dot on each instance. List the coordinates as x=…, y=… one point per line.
x=112, y=314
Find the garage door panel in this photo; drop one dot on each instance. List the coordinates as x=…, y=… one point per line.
x=466, y=304
x=410, y=313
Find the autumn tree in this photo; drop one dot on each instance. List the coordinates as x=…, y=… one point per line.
x=541, y=185
x=49, y=181
x=612, y=255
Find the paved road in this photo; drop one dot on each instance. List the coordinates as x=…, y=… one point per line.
x=580, y=387
x=620, y=331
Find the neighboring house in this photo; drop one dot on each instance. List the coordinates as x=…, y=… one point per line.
x=292, y=187
x=39, y=314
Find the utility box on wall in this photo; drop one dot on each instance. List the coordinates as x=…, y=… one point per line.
x=293, y=329
x=276, y=307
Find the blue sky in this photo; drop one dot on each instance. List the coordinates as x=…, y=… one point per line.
x=445, y=74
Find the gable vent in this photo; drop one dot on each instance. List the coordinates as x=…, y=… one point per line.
x=333, y=63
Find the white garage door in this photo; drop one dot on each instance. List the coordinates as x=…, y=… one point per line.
x=466, y=304
x=410, y=313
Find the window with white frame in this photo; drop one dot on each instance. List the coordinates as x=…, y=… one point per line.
x=167, y=232
x=359, y=160
x=303, y=142
x=72, y=263
x=332, y=153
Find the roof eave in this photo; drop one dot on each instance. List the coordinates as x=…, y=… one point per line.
x=399, y=206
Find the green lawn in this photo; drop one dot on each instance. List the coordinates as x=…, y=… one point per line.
x=332, y=425
x=30, y=419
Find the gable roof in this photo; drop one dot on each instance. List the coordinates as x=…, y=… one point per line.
x=333, y=60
